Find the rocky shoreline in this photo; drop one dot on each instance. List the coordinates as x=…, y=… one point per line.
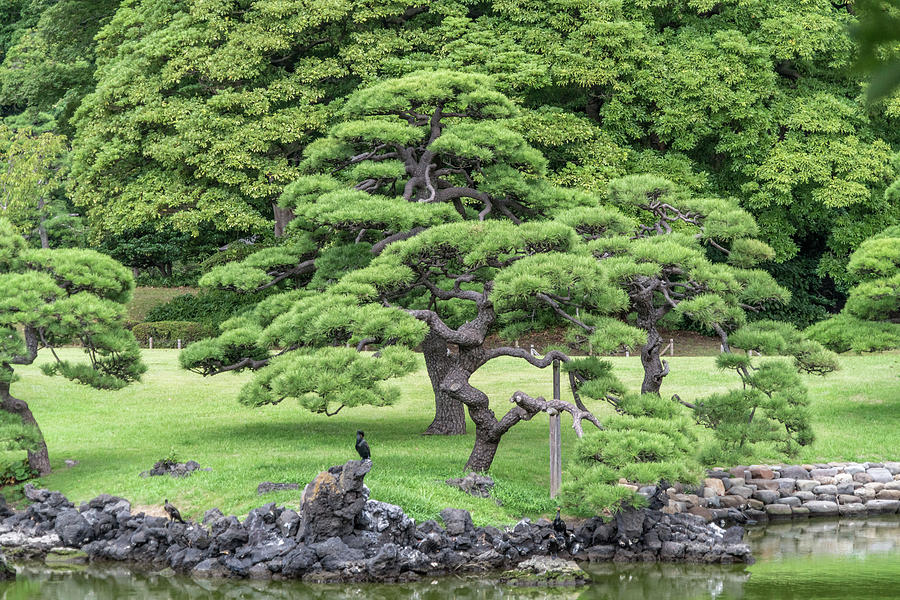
x=760, y=493
x=340, y=535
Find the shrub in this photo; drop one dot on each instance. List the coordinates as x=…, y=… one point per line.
x=209, y=307
x=652, y=440
x=166, y=333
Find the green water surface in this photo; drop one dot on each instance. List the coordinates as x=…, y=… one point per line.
x=813, y=560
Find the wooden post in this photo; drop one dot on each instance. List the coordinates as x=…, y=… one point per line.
x=150, y=342
x=555, y=438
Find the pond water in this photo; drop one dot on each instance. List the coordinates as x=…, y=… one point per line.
x=815, y=560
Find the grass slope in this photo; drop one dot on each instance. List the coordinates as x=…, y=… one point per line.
x=147, y=298
x=116, y=435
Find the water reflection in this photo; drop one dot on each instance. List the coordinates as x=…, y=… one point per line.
x=803, y=560
x=117, y=584
x=665, y=582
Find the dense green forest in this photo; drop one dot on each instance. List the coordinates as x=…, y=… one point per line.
x=166, y=130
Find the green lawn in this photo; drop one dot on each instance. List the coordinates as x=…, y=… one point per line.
x=116, y=435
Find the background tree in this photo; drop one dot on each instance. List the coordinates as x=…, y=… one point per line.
x=202, y=111
x=49, y=66
x=52, y=298
x=30, y=172
x=871, y=318
x=878, y=34
x=752, y=102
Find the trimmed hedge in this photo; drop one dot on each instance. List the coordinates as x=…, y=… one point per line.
x=209, y=307
x=166, y=333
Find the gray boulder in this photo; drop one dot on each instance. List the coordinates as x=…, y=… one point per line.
x=474, y=484
x=457, y=521
x=821, y=508
x=332, y=502
x=389, y=522
x=73, y=529
x=794, y=472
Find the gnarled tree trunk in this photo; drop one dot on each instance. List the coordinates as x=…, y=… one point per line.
x=39, y=458
x=655, y=369
x=449, y=416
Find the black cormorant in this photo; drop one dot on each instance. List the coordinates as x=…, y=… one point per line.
x=559, y=526
x=362, y=446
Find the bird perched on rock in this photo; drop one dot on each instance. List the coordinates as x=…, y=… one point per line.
x=362, y=446
x=172, y=511
x=560, y=538
x=559, y=526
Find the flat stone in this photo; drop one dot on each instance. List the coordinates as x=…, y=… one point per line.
x=893, y=467
x=701, y=512
x=739, y=472
x=794, y=472
x=765, y=484
x=880, y=475
x=845, y=488
x=820, y=508
x=778, y=510
x=875, y=486
x=829, y=472
x=807, y=485
x=786, y=485
x=883, y=506
x=761, y=472
x=887, y=494
x=760, y=516
x=789, y=501
x=892, y=485
x=848, y=499
x=823, y=480
x=756, y=504
x=689, y=499
x=766, y=496
x=853, y=510
x=864, y=493
x=715, y=484
x=799, y=511
x=733, y=501
x=831, y=490
x=854, y=469
x=827, y=497
x=805, y=496
x=843, y=478
x=741, y=490
x=862, y=477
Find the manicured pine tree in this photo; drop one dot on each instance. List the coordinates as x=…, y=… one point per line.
x=52, y=298
x=870, y=320
x=410, y=153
